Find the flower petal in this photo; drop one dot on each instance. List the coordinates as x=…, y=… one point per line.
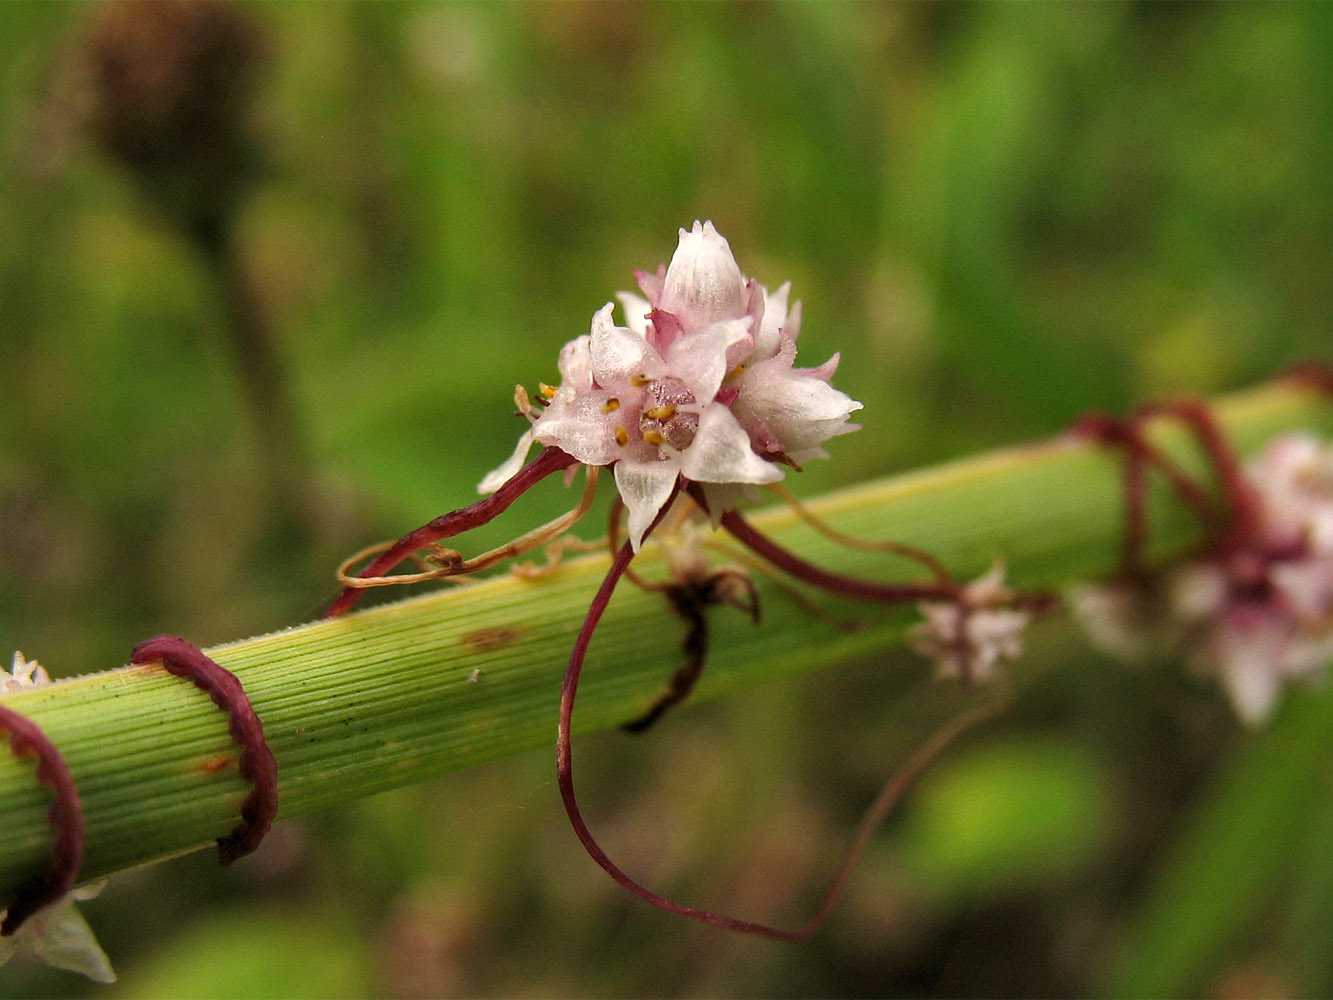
x=771, y=328
x=801, y=411
x=703, y=284
x=721, y=452
x=576, y=364
x=644, y=487
x=579, y=424
x=700, y=359
x=500, y=475
x=636, y=312
x=618, y=353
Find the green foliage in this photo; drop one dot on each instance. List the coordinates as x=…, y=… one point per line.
x=1017, y=814
x=1001, y=214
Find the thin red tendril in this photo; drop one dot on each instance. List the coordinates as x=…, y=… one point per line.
x=1235, y=522
x=455, y=522
x=879, y=809
x=1316, y=374
x=1242, y=505
x=26, y=739
x=257, y=765
x=837, y=583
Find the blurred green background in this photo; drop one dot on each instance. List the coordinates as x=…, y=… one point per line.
x=269, y=274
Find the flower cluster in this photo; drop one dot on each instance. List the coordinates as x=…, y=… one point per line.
x=697, y=398
x=967, y=636
x=23, y=673
x=699, y=384
x=1258, y=611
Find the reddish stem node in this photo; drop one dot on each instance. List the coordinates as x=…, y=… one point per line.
x=257, y=765
x=26, y=739
x=456, y=522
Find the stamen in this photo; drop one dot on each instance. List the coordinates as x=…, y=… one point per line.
x=522, y=401
x=257, y=765
x=639, y=381
x=26, y=739
x=654, y=437
x=611, y=405
x=548, y=391
x=622, y=436
x=663, y=412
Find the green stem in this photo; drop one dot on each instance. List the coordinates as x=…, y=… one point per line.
x=455, y=677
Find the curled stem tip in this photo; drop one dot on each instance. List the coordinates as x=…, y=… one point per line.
x=444, y=563
x=455, y=522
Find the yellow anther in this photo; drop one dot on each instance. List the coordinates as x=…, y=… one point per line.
x=663, y=412
x=611, y=405
x=546, y=390
x=622, y=436
x=638, y=381
x=736, y=372
x=654, y=437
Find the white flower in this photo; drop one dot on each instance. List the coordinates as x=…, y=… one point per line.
x=59, y=936
x=967, y=637
x=23, y=673
x=698, y=384
x=1257, y=614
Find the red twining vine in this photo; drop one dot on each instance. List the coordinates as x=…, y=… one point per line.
x=257, y=765
x=26, y=739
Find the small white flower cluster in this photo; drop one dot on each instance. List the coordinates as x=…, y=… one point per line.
x=965, y=638
x=57, y=934
x=698, y=384
x=1258, y=614
x=23, y=673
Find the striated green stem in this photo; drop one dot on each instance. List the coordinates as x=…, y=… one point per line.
x=462, y=675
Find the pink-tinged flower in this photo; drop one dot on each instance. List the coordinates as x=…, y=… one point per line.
x=23, y=673
x=698, y=394
x=1258, y=612
x=698, y=384
x=967, y=636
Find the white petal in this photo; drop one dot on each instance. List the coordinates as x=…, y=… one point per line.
x=721, y=453
x=703, y=284
x=576, y=363
x=636, y=312
x=500, y=475
x=618, y=353
x=700, y=359
x=579, y=424
x=59, y=936
x=801, y=411
x=775, y=319
x=1252, y=683
x=645, y=487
